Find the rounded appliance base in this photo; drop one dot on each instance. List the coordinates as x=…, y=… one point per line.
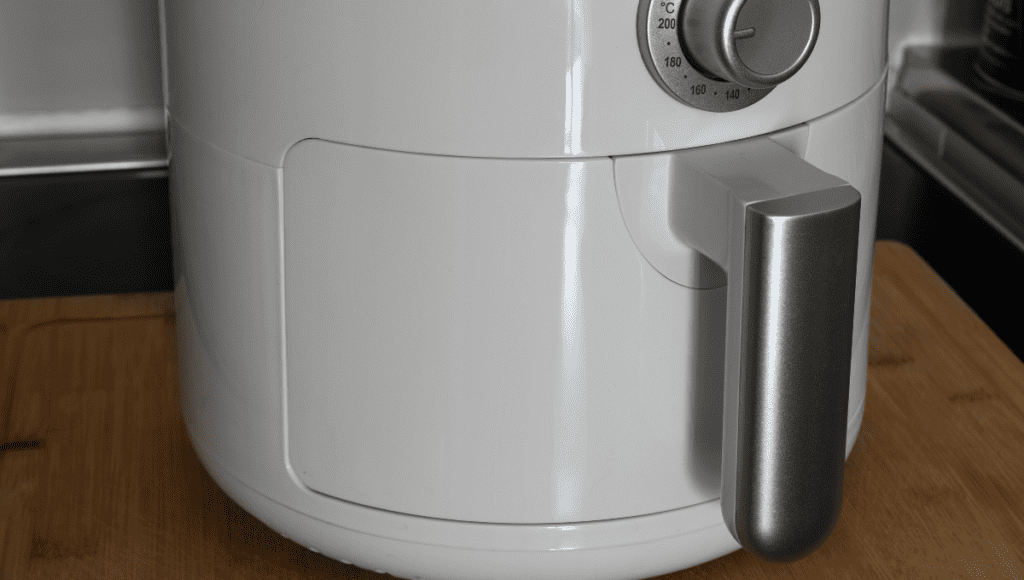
x=434, y=549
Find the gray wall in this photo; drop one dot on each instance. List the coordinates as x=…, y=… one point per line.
x=79, y=66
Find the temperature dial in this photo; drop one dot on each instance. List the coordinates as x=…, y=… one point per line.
x=723, y=55
x=755, y=43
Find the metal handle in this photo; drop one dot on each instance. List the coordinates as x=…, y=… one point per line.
x=785, y=432
x=786, y=234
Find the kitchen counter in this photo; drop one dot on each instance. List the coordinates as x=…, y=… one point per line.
x=98, y=479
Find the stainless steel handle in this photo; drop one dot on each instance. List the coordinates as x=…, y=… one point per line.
x=791, y=300
x=786, y=234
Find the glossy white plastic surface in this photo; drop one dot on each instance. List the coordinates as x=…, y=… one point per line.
x=648, y=216
x=479, y=340
x=525, y=79
x=532, y=233
x=234, y=401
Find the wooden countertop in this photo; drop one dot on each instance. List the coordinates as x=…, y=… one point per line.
x=98, y=479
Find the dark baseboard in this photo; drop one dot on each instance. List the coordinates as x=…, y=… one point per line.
x=80, y=234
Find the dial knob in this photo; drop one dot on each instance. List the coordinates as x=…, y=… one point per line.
x=754, y=43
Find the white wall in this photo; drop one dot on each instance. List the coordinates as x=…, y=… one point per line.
x=79, y=66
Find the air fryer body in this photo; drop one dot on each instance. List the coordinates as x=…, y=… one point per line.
x=416, y=332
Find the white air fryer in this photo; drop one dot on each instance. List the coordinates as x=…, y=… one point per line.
x=555, y=289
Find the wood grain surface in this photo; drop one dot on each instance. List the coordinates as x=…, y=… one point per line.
x=98, y=479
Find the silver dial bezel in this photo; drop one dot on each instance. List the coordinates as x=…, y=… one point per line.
x=683, y=82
